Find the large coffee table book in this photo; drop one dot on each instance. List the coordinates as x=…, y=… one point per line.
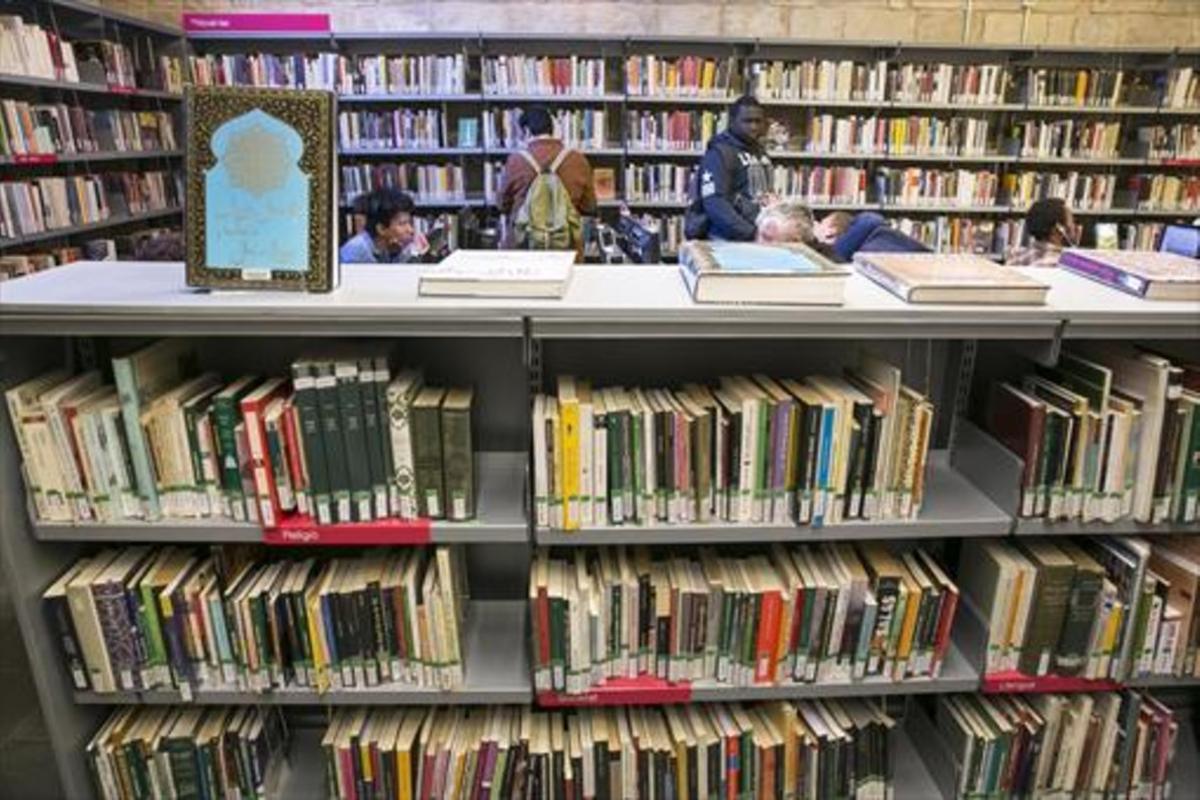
x=743, y=272
x=950, y=278
x=261, y=189
x=500, y=273
x=1149, y=275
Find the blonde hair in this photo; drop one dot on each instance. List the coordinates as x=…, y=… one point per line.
x=789, y=216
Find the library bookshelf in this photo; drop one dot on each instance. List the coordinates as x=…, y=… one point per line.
x=617, y=323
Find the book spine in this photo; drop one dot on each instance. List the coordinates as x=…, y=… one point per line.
x=225, y=421
x=403, y=473
x=59, y=611
x=262, y=472
x=350, y=406
x=326, y=385
x=135, y=437
x=458, y=464
x=383, y=434
x=372, y=431
x=116, y=628
x=427, y=462
x=1052, y=595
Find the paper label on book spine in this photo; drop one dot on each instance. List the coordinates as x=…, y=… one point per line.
x=185, y=691
x=1189, y=507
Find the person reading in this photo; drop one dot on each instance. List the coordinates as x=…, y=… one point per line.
x=389, y=236
x=1051, y=227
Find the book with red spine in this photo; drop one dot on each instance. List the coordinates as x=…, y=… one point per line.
x=768, y=635
x=253, y=408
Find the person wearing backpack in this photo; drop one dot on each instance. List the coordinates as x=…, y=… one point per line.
x=546, y=188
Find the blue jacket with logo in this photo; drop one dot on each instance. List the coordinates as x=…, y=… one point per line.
x=733, y=174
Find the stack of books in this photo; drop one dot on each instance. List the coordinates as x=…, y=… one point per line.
x=804, y=750
x=829, y=613
x=189, y=752
x=1107, y=744
x=140, y=618
x=1112, y=432
x=344, y=440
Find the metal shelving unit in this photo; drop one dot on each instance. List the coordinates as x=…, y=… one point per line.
x=615, y=305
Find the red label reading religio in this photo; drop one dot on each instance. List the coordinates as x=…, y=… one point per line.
x=300, y=529
x=621, y=692
x=35, y=158
x=1020, y=683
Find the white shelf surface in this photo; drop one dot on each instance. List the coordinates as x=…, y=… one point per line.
x=499, y=517
x=603, y=301
x=497, y=672
x=953, y=508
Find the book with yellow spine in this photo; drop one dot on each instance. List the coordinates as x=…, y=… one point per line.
x=568, y=416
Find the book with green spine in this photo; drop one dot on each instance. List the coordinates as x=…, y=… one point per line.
x=226, y=413
x=458, y=460
x=325, y=381
x=140, y=377
x=358, y=470
x=373, y=429
x=427, y=453
x=304, y=387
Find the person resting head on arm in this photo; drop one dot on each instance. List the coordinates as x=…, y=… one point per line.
x=1051, y=227
x=389, y=236
x=784, y=223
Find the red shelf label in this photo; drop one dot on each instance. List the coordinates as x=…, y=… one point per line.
x=300, y=529
x=1019, y=683
x=622, y=692
x=35, y=158
x=118, y=89
x=256, y=23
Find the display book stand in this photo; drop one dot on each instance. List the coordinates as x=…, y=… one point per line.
x=74, y=20
x=744, y=52
x=616, y=325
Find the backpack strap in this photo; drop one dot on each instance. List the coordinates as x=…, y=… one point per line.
x=533, y=162
x=552, y=167
x=559, y=159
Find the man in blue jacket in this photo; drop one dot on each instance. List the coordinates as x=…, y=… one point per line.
x=735, y=178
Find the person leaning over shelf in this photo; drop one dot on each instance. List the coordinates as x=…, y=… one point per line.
x=1050, y=226
x=734, y=180
x=543, y=152
x=389, y=236
x=838, y=235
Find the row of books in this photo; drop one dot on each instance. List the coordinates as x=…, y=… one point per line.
x=683, y=76
x=946, y=234
x=399, y=128
x=1111, y=607
x=56, y=128
x=349, y=75
x=673, y=130
x=344, y=439
x=803, y=750
x=1108, y=744
x=1159, y=192
x=126, y=246
x=140, y=618
x=543, y=75
x=1181, y=140
x=436, y=182
x=818, y=450
x=202, y=753
x=666, y=182
x=916, y=186
x=29, y=49
x=1111, y=432
x=584, y=128
x=1183, y=88
x=50, y=203
x=1068, y=138
x=812, y=184
x=911, y=135
x=830, y=612
x=1082, y=191
x=961, y=84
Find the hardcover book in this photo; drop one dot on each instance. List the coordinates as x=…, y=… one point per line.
x=1149, y=275
x=500, y=273
x=745, y=272
x=950, y=278
x=261, y=191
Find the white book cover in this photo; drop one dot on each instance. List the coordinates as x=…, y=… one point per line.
x=500, y=273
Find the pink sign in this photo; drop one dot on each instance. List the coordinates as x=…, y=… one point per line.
x=35, y=158
x=643, y=690
x=1018, y=683
x=256, y=23
x=298, y=529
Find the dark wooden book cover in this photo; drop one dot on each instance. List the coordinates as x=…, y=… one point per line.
x=260, y=189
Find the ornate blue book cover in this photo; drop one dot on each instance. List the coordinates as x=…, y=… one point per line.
x=260, y=189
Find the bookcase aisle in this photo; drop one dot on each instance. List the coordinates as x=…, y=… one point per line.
x=637, y=648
